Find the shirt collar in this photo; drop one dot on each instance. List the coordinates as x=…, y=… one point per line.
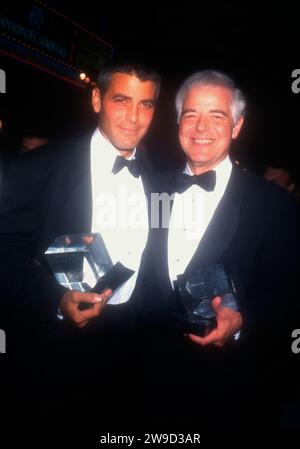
x=105, y=150
x=223, y=171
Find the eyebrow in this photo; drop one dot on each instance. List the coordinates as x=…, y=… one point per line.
x=125, y=97
x=188, y=110
x=117, y=95
x=219, y=111
x=213, y=111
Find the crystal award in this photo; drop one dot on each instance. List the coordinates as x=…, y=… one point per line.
x=194, y=292
x=82, y=262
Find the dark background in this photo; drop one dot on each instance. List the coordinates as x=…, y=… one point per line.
x=257, y=47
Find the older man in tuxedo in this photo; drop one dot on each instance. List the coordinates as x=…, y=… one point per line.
x=251, y=227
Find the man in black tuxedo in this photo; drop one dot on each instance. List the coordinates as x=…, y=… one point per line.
x=64, y=190
x=234, y=375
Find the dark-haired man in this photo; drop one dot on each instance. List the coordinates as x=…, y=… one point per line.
x=78, y=187
x=52, y=192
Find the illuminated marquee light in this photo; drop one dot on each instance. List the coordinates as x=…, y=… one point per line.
x=41, y=52
x=34, y=36
x=18, y=58
x=95, y=36
x=78, y=51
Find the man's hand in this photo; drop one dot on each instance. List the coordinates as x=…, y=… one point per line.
x=71, y=300
x=229, y=322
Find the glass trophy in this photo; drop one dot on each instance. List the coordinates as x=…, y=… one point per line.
x=82, y=262
x=194, y=292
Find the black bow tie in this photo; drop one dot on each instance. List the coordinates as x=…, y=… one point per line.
x=132, y=165
x=207, y=181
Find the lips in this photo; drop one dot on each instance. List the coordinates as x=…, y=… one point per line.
x=130, y=131
x=203, y=141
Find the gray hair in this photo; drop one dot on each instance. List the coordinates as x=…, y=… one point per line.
x=214, y=78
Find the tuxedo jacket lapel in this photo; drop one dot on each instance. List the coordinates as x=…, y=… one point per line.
x=223, y=225
x=214, y=242
x=159, y=236
x=146, y=170
x=79, y=207
x=219, y=232
x=73, y=193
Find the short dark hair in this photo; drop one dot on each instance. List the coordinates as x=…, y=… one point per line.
x=142, y=71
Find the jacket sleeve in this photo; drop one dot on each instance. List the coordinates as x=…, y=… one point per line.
x=23, y=202
x=273, y=300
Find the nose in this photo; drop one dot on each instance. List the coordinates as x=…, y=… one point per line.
x=132, y=113
x=203, y=122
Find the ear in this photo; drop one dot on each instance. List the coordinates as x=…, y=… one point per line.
x=96, y=100
x=237, y=127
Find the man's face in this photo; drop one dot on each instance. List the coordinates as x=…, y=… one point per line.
x=125, y=110
x=206, y=126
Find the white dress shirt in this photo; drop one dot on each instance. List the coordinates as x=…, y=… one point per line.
x=119, y=211
x=191, y=214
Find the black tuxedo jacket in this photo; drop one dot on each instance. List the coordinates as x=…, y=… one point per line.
x=255, y=233
x=47, y=194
